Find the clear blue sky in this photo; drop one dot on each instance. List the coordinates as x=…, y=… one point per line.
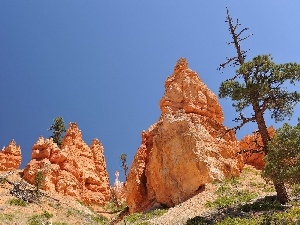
x=103, y=64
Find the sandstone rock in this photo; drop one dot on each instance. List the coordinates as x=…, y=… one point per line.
x=251, y=148
x=185, y=90
x=187, y=148
x=10, y=157
x=76, y=169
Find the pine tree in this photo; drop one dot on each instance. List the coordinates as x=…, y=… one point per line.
x=124, y=165
x=259, y=85
x=58, y=128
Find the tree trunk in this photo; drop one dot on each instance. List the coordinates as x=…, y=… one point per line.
x=282, y=195
x=262, y=127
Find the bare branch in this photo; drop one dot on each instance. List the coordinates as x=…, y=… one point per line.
x=244, y=121
x=241, y=55
x=240, y=118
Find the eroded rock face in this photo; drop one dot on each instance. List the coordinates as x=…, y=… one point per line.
x=187, y=148
x=251, y=148
x=10, y=157
x=185, y=90
x=76, y=169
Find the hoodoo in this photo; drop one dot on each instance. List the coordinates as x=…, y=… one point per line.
x=188, y=147
x=10, y=157
x=76, y=169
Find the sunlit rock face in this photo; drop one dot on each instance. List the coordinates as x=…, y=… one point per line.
x=10, y=157
x=251, y=148
x=187, y=148
x=75, y=169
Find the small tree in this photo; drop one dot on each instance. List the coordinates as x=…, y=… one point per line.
x=58, y=128
x=124, y=165
x=259, y=85
x=283, y=159
x=38, y=181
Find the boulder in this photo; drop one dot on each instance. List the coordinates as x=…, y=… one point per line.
x=187, y=148
x=251, y=148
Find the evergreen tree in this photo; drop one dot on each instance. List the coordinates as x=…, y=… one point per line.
x=39, y=180
x=124, y=165
x=58, y=128
x=259, y=85
x=283, y=159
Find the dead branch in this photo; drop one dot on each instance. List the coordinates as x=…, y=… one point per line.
x=236, y=37
x=23, y=190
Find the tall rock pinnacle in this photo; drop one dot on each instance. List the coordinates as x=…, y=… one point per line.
x=187, y=148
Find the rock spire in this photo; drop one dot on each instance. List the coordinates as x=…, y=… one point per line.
x=187, y=148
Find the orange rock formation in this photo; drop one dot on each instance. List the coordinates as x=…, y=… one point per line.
x=10, y=157
x=251, y=149
x=76, y=169
x=187, y=148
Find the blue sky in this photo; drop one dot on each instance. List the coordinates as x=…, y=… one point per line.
x=103, y=64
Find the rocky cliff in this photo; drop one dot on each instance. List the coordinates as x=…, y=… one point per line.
x=10, y=157
x=75, y=169
x=187, y=148
x=252, y=149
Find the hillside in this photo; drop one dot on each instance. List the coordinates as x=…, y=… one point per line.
x=51, y=207
x=248, y=199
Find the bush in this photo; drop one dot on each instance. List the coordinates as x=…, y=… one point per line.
x=283, y=159
x=18, y=202
x=40, y=219
x=198, y=220
x=99, y=219
x=266, y=204
x=228, y=195
x=142, y=217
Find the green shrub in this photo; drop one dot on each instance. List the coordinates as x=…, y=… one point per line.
x=198, y=220
x=38, y=181
x=283, y=159
x=112, y=207
x=262, y=205
x=141, y=217
x=99, y=219
x=239, y=221
x=289, y=217
x=295, y=189
x=6, y=217
x=231, y=197
x=2, y=180
x=40, y=219
x=18, y=202
x=132, y=218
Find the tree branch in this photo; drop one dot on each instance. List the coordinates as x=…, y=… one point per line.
x=241, y=55
x=244, y=121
